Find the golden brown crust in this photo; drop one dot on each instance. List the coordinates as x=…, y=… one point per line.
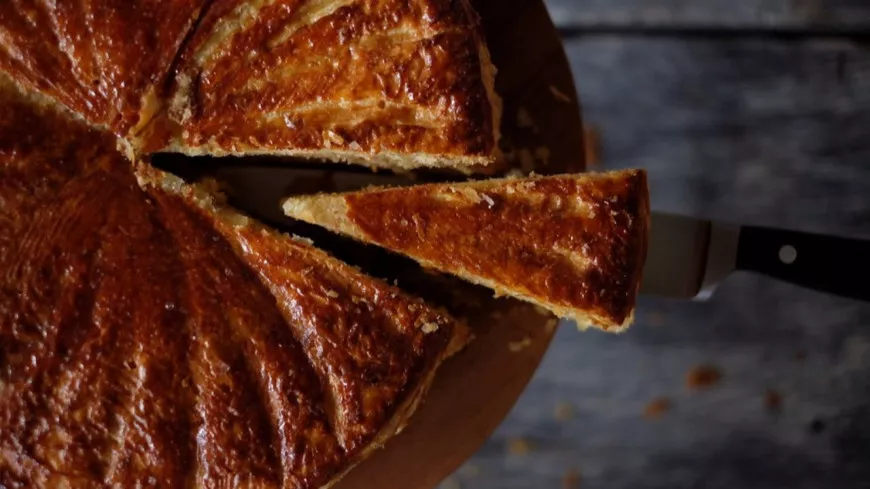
x=149, y=336
x=575, y=244
x=100, y=58
x=385, y=83
x=391, y=83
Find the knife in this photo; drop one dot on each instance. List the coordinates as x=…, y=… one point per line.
x=688, y=258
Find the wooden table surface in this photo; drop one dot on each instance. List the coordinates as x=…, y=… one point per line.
x=756, y=111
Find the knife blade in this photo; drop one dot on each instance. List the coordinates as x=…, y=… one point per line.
x=688, y=258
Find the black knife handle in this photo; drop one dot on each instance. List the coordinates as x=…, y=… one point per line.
x=831, y=264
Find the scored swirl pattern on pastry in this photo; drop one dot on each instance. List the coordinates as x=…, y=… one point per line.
x=151, y=337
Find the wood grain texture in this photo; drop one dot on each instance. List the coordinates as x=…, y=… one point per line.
x=787, y=15
x=751, y=130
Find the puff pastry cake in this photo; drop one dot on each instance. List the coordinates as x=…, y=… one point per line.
x=152, y=337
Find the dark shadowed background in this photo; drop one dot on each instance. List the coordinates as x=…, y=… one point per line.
x=754, y=111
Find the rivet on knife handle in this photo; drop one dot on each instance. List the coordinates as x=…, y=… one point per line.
x=830, y=264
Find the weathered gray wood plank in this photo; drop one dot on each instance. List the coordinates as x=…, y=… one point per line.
x=754, y=331
x=767, y=132
x=831, y=15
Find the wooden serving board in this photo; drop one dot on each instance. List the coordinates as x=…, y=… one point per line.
x=475, y=390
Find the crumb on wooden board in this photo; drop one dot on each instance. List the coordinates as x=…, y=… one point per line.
x=563, y=411
x=519, y=446
x=703, y=376
x=657, y=408
x=773, y=401
x=520, y=345
x=571, y=479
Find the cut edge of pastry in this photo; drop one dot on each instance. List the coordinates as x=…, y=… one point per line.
x=206, y=196
x=382, y=160
x=331, y=212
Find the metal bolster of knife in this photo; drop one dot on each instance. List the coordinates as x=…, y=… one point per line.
x=723, y=239
x=677, y=256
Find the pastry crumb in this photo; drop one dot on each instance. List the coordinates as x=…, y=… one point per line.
x=429, y=328
x=656, y=408
x=773, y=401
x=518, y=346
x=564, y=411
x=519, y=446
x=703, y=377
x=302, y=240
x=571, y=480
x=468, y=192
x=560, y=95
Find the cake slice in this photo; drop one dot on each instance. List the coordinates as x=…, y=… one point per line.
x=574, y=244
x=152, y=337
x=396, y=84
